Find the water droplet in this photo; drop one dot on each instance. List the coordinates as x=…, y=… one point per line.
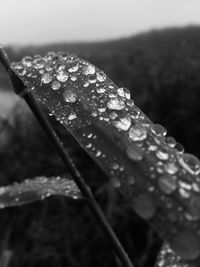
x=134, y=152
x=116, y=104
x=46, y=78
x=158, y=129
x=101, y=110
x=38, y=63
x=123, y=123
x=194, y=208
x=55, y=85
x=162, y=154
x=184, y=193
x=152, y=147
x=137, y=132
x=74, y=67
x=180, y=148
x=186, y=245
x=171, y=141
x=115, y=182
x=85, y=84
x=130, y=179
x=123, y=92
x=167, y=184
x=144, y=206
x=190, y=163
x=92, y=78
x=171, y=168
x=69, y=96
x=88, y=69
x=27, y=61
x=101, y=90
x=72, y=116
x=113, y=115
x=62, y=76
x=73, y=77
x=101, y=77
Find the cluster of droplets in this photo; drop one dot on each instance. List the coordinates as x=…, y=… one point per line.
x=168, y=170
x=39, y=188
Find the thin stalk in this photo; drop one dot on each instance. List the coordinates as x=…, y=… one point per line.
x=20, y=89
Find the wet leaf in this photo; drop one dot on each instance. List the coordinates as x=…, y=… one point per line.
x=160, y=181
x=31, y=190
x=167, y=258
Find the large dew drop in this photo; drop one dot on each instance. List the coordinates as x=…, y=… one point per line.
x=116, y=104
x=167, y=184
x=186, y=245
x=134, y=152
x=144, y=206
x=123, y=123
x=137, y=132
x=69, y=96
x=46, y=78
x=190, y=163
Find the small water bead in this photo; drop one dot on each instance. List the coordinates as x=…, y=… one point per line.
x=62, y=76
x=69, y=96
x=113, y=115
x=130, y=179
x=143, y=205
x=138, y=132
x=123, y=123
x=100, y=90
x=134, y=152
x=179, y=147
x=194, y=208
x=73, y=77
x=190, y=163
x=186, y=245
x=171, y=168
x=115, y=182
x=74, y=67
x=27, y=61
x=49, y=66
x=55, y=85
x=162, y=154
x=101, y=76
x=38, y=63
x=88, y=69
x=123, y=92
x=184, y=193
x=86, y=84
x=101, y=110
x=167, y=184
x=116, y=104
x=72, y=116
x=171, y=141
x=92, y=78
x=46, y=78
x=152, y=147
x=158, y=129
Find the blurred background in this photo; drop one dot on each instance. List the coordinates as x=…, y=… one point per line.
x=149, y=46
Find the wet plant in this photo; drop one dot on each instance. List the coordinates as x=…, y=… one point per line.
x=149, y=168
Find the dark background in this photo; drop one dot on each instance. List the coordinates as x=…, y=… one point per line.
x=162, y=71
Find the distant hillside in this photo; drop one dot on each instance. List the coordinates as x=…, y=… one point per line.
x=161, y=68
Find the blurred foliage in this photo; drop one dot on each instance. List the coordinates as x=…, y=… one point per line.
x=161, y=68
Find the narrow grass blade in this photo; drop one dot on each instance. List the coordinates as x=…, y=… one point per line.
x=39, y=188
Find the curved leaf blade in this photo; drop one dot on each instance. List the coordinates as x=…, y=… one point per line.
x=39, y=188
x=161, y=182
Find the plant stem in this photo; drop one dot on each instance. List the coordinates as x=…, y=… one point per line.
x=20, y=89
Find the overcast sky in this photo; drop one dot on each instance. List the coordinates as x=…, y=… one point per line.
x=43, y=21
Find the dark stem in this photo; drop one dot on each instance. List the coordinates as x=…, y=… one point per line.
x=20, y=89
